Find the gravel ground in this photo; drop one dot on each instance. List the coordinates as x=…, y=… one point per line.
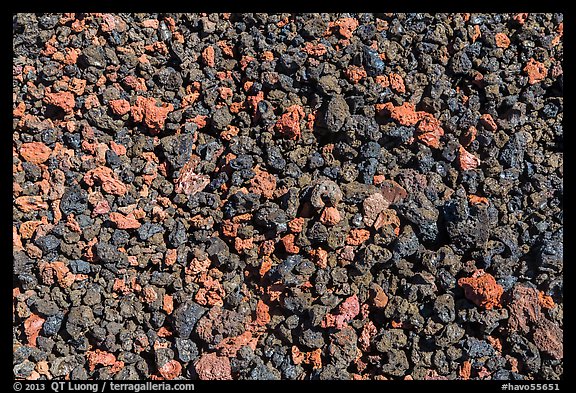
x=278, y=196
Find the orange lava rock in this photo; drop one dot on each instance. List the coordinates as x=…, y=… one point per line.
x=495, y=342
x=319, y=257
x=383, y=81
x=138, y=84
x=265, y=266
x=289, y=123
x=477, y=200
x=28, y=228
x=35, y=152
x=548, y=337
x=62, y=99
x=243, y=244
x=119, y=107
x=170, y=370
x=118, y=148
x=211, y=293
x=466, y=160
x=524, y=308
x=404, y=114
x=482, y=289
x=171, y=256
x=476, y=34
x=145, y=110
x=545, y=301
x=213, y=367
x=296, y=225
x=32, y=326
x=198, y=266
x=357, y=237
x=124, y=222
x=502, y=40
x=355, y=73
x=263, y=183
x=208, y=56
x=488, y=122
x=105, y=176
x=101, y=207
x=465, y=369
x=99, y=357
x=149, y=295
x=469, y=136
x=262, y=313
x=330, y=216
x=373, y=205
x=289, y=245
x=164, y=332
x=312, y=357
x=266, y=248
x=347, y=311
x=521, y=17
x=19, y=110
x=368, y=331
x=29, y=203
x=430, y=130
x=346, y=26
x=314, y=49
x=379, y=297
x=229, y=346
x=397, y=83
x=151, y=23
x=536, y=71
x=168, y=304
x=226, y=48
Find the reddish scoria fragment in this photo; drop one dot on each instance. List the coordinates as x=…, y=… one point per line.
x=32, y=327
x=330, y=216
x=105, y=176
x=263, y=183
x=99, y=357
x=488, y=122
x=397, y=83
x=404, y=114
x=170, y=370
x=536, y=71
x=120, y=107
x=213, y=367
x=145, y=110
x=35, y=152
x=502, y=40
x=347, y=311
x=208, y=56
x=467, y=161
x=29, y=203
x=355, y=73
x=548, y=337
x=346, y=26
x=314, y=49
x=262, y=313
x=482, y=289
x=289, y=123
x=62, y=99
x=357, y=237
x=430, y=130
x=124, y=222
x=229, y=346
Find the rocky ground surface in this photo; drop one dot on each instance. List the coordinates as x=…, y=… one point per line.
x=315, y=196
